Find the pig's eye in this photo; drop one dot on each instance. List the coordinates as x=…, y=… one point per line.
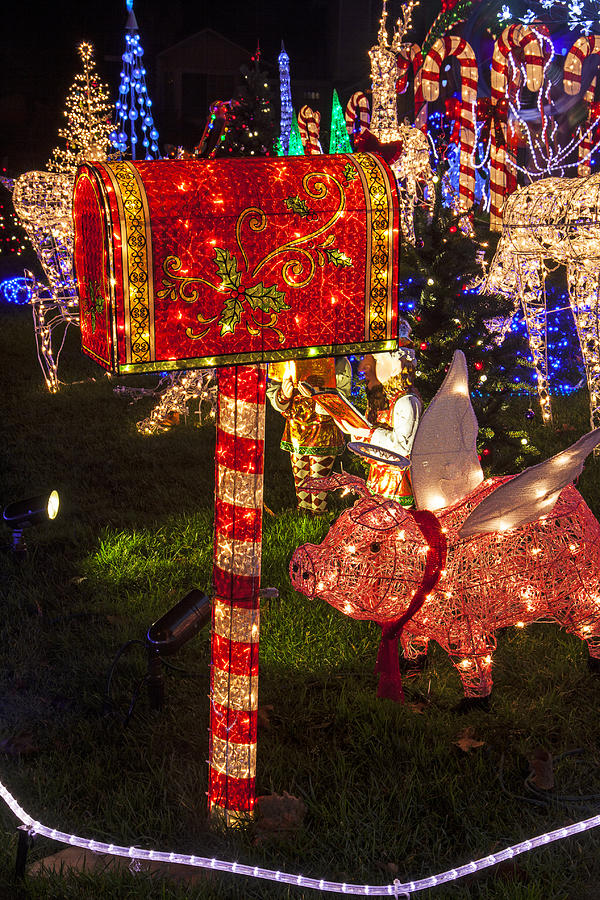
x=375, y=547
x=295, y=567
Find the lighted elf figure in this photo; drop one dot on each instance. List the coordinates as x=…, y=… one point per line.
x=311, y=438
x=397, y=425
x=134, y=106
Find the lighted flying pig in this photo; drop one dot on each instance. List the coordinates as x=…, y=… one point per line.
x=475, y=556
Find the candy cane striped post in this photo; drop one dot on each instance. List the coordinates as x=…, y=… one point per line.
x=441, y=50
x=585, y=132
x=309, y=123
x=358, y=113
x=581, y=49
x=411, y=55
x=239, y=461
x=503, y=152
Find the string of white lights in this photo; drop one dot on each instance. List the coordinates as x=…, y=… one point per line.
x=397, y=889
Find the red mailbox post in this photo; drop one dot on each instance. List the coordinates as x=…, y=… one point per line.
x=235, y=263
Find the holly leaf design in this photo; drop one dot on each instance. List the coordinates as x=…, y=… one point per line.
x=227, y=269
x=337, y=257
x=269, y=299
x=231, y=315
x=296, y=205
x=350, y=172
x=96, y=304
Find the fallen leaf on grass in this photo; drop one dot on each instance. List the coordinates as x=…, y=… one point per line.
x=279, y=813
x=418, y=707
x=390, y=868
x=20, y=744
x=466, y=741
x=541, y=775
x=264, y=717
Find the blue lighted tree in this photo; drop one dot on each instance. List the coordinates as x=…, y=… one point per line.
x=134, y=124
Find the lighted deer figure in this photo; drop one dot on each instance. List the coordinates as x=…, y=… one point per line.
x=556, y=221
x=474, y=556
x=412, y=167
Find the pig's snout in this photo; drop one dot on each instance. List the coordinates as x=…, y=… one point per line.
x=302, y=572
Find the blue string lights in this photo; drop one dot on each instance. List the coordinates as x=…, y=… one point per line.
x=287, y=111
x=134, y=124
x=15, y=290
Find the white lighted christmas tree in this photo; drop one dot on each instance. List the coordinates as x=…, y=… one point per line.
x=134, y=133
x=88, y=112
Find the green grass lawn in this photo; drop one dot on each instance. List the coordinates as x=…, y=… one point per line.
x=388, y=792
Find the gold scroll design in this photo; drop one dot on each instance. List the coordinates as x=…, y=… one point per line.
x=245, y=297
x=380, y=256
x=137, y=261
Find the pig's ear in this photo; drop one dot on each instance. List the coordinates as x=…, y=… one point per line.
x=531, y=494
x=444, y=466
x=379, y=516
x=337, y=480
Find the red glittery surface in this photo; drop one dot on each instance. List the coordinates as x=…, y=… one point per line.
x=260, y=257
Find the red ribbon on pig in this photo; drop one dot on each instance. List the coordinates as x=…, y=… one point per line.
x=366, y=142
x=390, y=680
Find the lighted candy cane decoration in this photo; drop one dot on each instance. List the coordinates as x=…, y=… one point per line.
x=505, y=81
x=581, y=49
x=236, y=575
x=358, y=113
x=441, y=50
x=309, y=122
x=411, y=55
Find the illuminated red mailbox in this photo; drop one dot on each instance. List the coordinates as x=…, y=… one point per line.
x=183, y=264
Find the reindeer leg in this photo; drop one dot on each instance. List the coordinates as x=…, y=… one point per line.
x=583, y=296
x=532, y=290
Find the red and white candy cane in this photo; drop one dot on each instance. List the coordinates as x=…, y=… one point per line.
x=506, y=83
x=411, y=55
x=358, y=113
x=441, y=50
x=581, y=49
x=239, y=459
x=309, y=122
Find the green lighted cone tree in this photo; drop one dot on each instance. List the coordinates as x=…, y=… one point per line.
x=448, y=315
x=339, y=142
x=89, y=114
x=251, y=124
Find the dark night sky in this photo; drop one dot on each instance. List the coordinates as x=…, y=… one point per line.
x=38, y=50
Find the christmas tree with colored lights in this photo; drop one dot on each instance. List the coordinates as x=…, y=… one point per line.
x=339, y=142
x=438, y=297
x=251, y=124
x=88, y=113
x=134, y=133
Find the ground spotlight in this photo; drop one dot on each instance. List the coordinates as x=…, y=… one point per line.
x=165, y=636
x=23, y=513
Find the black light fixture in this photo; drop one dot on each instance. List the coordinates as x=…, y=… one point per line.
x=24, y=513
x=169, y=633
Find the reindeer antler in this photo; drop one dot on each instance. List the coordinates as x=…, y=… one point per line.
x=403, y=24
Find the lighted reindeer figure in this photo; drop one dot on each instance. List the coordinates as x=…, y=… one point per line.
x=553, y=221
x=412, y=167
x=475, y=555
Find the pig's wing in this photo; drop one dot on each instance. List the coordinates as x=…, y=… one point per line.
x=531, y=494
x=444, y=463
